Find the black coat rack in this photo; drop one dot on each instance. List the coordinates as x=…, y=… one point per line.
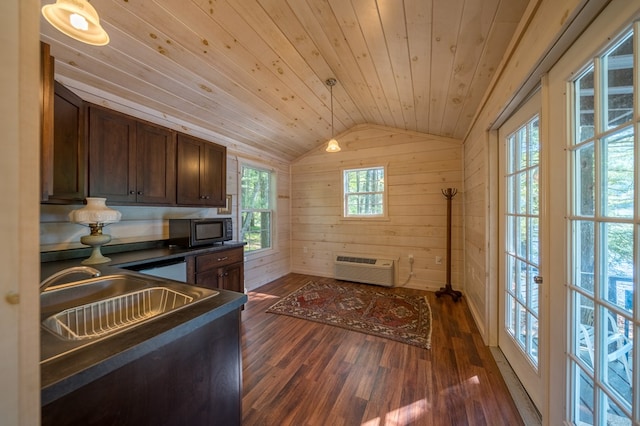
x=449, y=193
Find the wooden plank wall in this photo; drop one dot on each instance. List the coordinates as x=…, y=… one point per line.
x=536, y=34
x=419, y=166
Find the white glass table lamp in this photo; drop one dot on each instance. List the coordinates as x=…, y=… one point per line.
x=95, y=215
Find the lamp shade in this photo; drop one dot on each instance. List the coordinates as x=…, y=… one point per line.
x=77, y=19
x=333, y=146
x=96, y=211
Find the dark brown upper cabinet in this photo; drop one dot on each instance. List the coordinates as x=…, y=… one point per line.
x=63, y=148
x=202, y=171
x=130, y=161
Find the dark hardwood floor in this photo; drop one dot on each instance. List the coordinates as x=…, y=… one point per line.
x=298, y=372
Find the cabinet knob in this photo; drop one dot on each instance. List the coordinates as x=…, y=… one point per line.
x=139, y=192
x=132, y=192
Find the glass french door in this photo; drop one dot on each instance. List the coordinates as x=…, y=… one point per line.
x=603, y=245
x=519, y=335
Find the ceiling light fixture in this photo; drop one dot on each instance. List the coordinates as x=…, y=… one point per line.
x=332, y=146
x=77, y=19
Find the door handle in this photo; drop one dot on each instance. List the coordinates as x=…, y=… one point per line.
x=538, y=279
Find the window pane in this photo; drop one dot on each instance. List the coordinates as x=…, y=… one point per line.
x=585, y=180
x=618, y=85
x=256, y=228
x=364, y=192
x=256, y=188
x=255, y=204
x=617, y=174
x=584, y=106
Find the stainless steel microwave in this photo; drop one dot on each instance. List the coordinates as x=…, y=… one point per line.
x=200, y=232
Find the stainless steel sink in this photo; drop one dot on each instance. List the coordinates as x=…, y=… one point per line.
x=81, y=312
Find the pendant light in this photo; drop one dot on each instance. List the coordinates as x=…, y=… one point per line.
x=77, y=19
x=332, y=146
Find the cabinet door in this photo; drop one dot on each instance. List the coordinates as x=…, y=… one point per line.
x=233, y=277
x=156, y=165
x=201, y=174
x=112, y=156
x=188, y=173
x=209, y=279
x=65, y=175
x=213, y=179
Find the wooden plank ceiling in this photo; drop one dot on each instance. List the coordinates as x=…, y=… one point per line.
x=253, y=72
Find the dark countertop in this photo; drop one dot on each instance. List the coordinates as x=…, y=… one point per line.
x=124, y=257
x=66, y=373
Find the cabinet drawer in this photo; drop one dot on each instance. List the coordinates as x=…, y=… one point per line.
x=220, y=258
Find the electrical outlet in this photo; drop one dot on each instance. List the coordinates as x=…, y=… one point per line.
x=438, y=260
x=410, y=258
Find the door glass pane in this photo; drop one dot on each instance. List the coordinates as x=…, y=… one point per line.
x=533, y=202
x=617, y=174
x=613, y=413
x=585, y=180
x=583, y=397
x=583, y=259
x=534, y=141
x=535, y=289
x=618, y=84
x=617, y=349
x=617, y=278
x=585, y=331
x=584, y=106
x=533, y=243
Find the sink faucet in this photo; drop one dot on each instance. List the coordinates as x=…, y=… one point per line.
x=73, y=270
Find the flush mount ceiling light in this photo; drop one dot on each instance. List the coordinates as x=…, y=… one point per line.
x=77, y=19
x=332, y=146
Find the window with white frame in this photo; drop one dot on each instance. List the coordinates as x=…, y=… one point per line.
x=256, y=207
x=364, y=192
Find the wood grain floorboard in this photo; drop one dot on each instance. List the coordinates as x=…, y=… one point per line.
x=298, y=372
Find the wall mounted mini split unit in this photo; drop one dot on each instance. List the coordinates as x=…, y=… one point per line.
x=365, y=270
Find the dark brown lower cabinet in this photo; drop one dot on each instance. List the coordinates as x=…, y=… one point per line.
x=221, y=269
x=194, y=380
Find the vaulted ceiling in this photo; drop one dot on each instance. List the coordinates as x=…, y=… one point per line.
x=253, y=72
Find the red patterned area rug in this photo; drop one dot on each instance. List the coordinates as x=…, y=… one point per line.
x=368, y=309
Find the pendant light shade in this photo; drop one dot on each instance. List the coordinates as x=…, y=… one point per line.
x=332, y=146
x=77, y=19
